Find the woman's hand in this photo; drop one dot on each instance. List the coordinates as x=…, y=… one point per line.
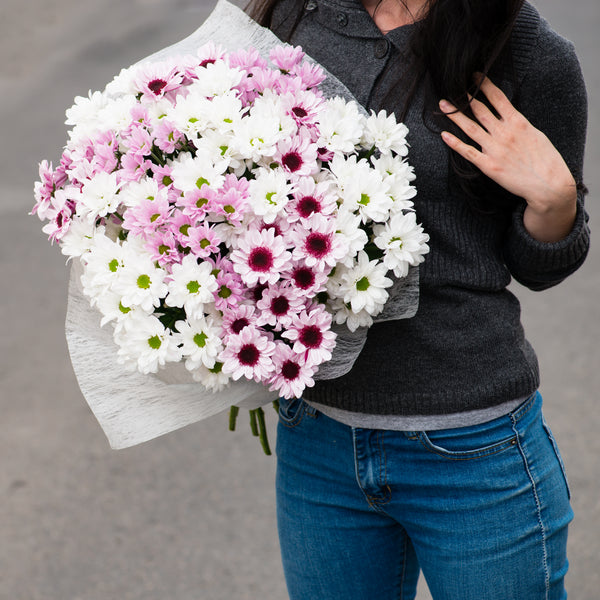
x=521, y=159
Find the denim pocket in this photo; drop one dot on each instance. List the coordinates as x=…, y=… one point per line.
x=466, y=446
x=558, y=456
x=291, y=411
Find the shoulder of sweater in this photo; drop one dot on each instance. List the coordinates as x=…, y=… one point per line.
x=534, y=43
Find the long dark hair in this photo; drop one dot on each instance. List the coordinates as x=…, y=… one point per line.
x=454, y=40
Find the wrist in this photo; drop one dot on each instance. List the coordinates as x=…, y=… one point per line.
x=551, y=222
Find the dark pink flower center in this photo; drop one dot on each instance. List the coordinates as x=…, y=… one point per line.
x=257, y=292
x=292, y=161
x=311, y=336
x=299, y=112
x=261, y=259
x=208, y=61
x=280, y=305
x=318, y=244
x=303, y=278
x=290, y=370
x=248, y=355
x=239, y=324
x=307, y=206
x=156, y=86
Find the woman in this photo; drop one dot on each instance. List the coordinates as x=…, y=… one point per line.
x=432, y=453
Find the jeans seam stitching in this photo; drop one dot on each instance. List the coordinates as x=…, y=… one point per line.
x=403, y=569
x=538, y=512
x=501, y=446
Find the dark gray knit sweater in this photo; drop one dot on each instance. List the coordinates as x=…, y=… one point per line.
x=465, y=349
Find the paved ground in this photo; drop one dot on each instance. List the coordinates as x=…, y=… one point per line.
x=190, y=515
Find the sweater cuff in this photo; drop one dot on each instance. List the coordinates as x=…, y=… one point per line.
x=542, y=261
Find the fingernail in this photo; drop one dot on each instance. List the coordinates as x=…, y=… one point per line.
x=445, y=105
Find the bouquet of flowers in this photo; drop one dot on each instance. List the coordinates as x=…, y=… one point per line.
x=226, y=214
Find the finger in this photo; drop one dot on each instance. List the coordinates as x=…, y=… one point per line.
x=470, y=127
x=497, y=98
x=483, y=114
x=465, y=150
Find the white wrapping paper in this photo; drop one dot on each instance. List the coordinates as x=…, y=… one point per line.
x=133, y=408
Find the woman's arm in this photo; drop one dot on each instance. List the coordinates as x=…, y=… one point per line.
x=536, y=152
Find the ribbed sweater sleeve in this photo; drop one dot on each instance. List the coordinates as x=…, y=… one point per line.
x=552, y=96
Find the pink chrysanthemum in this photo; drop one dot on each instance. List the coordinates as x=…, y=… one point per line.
x=260, y=257
x=311, y=198
x=197, y=203
x=286, y=57
x=139, y=142
x=297, y=155
x=148, y=216
x=230, y=291
x=133, y=167
x=167, y=136
x=203, y=240
x=317, y=243
x=248, y=355
x=310, y=74
x=180, y=224
x=307, y=281
x=277, y=305
x=238, y=318
x=302, y=106
x=163, y=248
x=43, y=190
x=59, y=215
x=247, y=59
x=311, y=333
x=154, y=80
x=291, y=372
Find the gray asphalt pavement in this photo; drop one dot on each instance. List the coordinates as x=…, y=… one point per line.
x=191, y=515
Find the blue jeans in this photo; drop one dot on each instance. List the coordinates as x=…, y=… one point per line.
x=481, y=510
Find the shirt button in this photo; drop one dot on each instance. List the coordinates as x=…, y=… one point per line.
x=342, y=19
x=381, y=48
x=311, y=5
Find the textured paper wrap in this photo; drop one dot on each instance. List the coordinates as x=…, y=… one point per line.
x=133, y=408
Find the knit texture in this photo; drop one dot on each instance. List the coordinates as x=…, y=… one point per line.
x=465, y=349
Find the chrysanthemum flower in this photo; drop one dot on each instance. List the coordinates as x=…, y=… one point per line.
x=310, y=332
x=269, y=193
x=311, y=198
x=260, y=257
x=99, y=196
x=248, y=355
x=190, y=173
x=239, y=317
x=382, y=131
x=286, y=57
x=144, y=343
x=154, y=79
x=340, y=126
x=297, y=155
x=148, y=216
x=364, y=285
x=191, y=286
x=404, y=242
x=200, y=341
x=306, y=281
x=291, y=372
x=203, y=240
x=277, y=305
x=317, y=244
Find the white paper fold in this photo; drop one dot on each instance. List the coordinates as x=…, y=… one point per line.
x=133, y=408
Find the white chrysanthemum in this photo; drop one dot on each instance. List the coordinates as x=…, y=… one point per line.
x=382, y=131
x=144, y=343
x=355, y=238
x=340, y=125
x=189, y=114
x=140, y=282
x=269, y=193
x=224, y=113
x=214, y=380
x=116, y=115
x=123, y=83
x=343, y=313
x=99, y=196
x=200, y=342
x=216, y=79
x=191, y=173
x=364, y=285
x=191, y=286
x=109, y=304
x=102, y=266
x=362, y=188
x=138, y=192
x=398, y=175
x=221, y=144
x=403, y=241
x=84, y=112
x=80, y=237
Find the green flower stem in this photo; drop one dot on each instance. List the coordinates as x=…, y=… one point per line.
x=233, y=413
x=254, y=422
x=264, y=441
x=276, y=405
